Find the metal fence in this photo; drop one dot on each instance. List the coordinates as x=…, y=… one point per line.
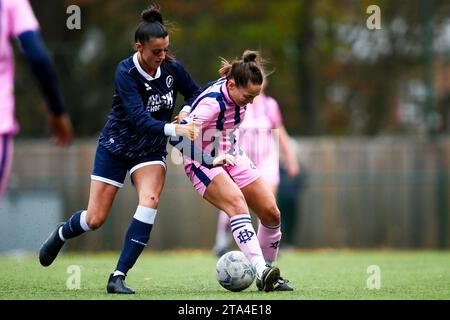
x=358, y=192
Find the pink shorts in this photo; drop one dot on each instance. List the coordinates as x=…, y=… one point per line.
x=243, y=173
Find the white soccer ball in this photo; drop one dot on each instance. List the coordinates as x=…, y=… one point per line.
x=234, y=272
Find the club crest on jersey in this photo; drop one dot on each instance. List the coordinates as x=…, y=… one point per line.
x=169, y=81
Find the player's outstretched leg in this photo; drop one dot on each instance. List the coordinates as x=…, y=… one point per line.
x=75, y=226
x=269, y=239
x=116, y=284
x=261, y=200
x=51, y=247
x=245, y=237
x=225, y=194
x=136, y=239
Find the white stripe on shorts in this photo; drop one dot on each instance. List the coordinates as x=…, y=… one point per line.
x=108, y=181
x=148, y=163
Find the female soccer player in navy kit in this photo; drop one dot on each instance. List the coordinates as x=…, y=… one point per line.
x=134, y=139
x=234, y=188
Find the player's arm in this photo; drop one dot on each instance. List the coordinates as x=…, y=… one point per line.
x=188, y=88
x=36, y=53
x=290, y=157
x=189, y=149
x=274, y=114
x=127, y=89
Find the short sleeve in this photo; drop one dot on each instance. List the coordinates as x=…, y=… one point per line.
x=21, y=17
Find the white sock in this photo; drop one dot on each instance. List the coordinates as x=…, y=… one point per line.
x=118, y=273
x=145, y=215
x=259, y=265
x=83, y=222
x=60, y=234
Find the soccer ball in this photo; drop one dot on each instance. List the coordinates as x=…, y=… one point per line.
x=234, y=272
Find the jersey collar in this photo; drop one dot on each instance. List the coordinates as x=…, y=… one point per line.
x=142, y=71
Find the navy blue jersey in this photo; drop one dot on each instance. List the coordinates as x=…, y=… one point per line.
x=143, y=105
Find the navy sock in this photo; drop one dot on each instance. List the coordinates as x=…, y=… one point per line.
x=72, y=227
x=136, y=240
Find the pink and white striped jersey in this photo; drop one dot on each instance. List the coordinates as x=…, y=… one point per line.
x=16, y=17
x=258, y=137
x=221, y=119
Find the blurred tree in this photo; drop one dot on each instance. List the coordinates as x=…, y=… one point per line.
x=308, y=69
x=332, y=75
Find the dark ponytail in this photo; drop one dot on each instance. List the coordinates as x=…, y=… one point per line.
x=247, y=69
x=151, y=15
x=151, y=26
x=249, y=56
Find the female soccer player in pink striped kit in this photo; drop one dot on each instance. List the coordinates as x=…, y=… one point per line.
x=238, y=185
x=258, y=134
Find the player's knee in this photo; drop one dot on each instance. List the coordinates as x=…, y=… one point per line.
x=94, y=222
x=149, y=200
x=273, y=215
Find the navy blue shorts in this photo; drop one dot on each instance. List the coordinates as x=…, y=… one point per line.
x=111, y=169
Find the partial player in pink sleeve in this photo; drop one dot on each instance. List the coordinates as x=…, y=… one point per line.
x=17, y=21
x=237, y=186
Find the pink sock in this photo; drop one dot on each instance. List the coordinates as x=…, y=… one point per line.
x=247, y=241
x=269, y=239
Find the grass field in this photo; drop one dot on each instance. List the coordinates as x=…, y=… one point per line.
x=190, y=275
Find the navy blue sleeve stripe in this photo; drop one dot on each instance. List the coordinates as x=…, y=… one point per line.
x=208, y=95
x=211, y=83
x=237, y=114
x=36, y=54
x=211, y=94
x=221, y=117
x=5, y=154
x=219, y=98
